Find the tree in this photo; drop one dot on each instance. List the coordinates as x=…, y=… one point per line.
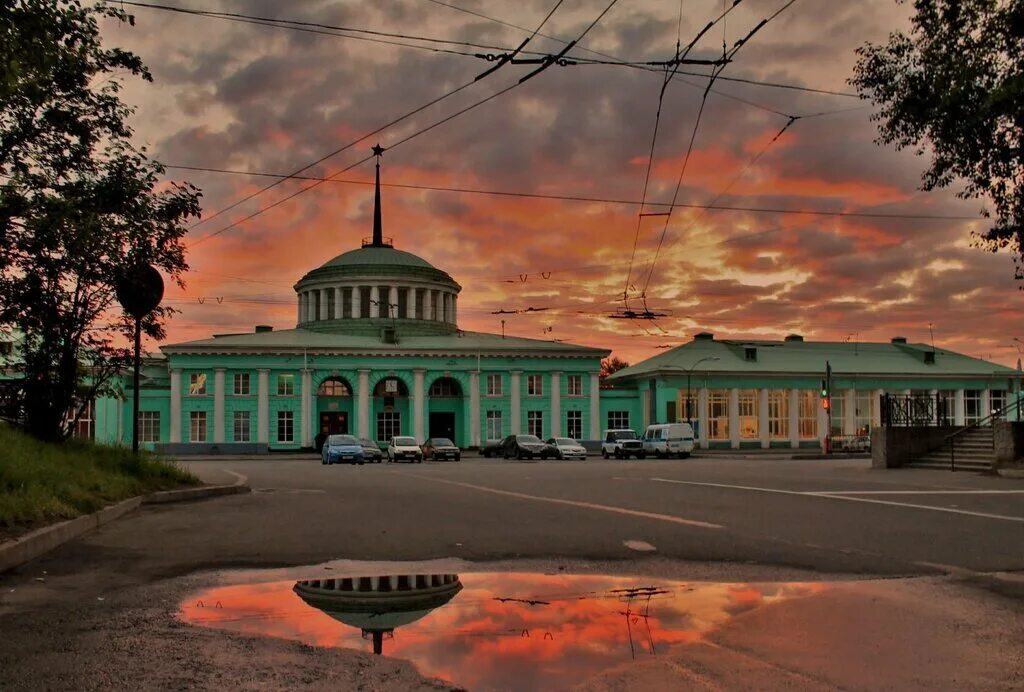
x=78, y=203
x=610, y=366
x=955, y=85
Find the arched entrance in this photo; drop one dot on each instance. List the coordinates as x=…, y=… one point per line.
x=444, y=418
x=334, y=407
x=390, y=415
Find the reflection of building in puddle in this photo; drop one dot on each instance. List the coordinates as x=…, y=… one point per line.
x=378, y=605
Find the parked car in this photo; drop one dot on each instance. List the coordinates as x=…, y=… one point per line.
x=526, y=447
x=342, y=449
x=622, y=443
x=491, y=448
x=668, y=439
x=371, y=450
x=440, y=448
x=401, y=447
x=568, y=448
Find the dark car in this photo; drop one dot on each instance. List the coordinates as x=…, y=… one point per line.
x=371, y=451
x=526, y=447
x=492, y=448
x=440, y=448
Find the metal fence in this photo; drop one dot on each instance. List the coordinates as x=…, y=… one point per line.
x=12, y=401
x=904, y=410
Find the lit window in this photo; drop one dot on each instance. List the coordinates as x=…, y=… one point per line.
x=618, y=420
x=778, y=414
x=748, y=402
x=535, y=423
x=285, y=426
x=241, y=426
x=718, y=414
x=197, y=384
x=864, y=413
x=333, y=387
x=197, y=426
x=494, y=385
x=809, y=403
x=286, y=385
x=534, y=385
x=242, y=384
x=574, y=385
x=149, y=426
x=574, y=424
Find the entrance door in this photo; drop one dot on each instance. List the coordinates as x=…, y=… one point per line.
x=442, y=424
x=334, y=422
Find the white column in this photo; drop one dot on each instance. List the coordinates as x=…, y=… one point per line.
x=218, y=405
x=762, y=419
x=958, y=408
x=263, y=406
x=703, y=421
x=514, y=402
x=338, y=307
x=474, y=409
x=427, y=304
x=986, y=403
x=556, y=404
x=850, y=412
x=301, y=300
x=419, y=429
x=455, y=308
x=310, y=306
x=876, y=407
x=374, y=301
x=595, y=406
x=307, y=409
x=357, y=308
x=364, y=403
x=324, y=304
x=794, y=418
x=175, y=422
x=645, y=407
x=734, y=418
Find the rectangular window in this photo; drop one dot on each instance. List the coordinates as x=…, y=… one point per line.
x=285, y=426
x=809, y=403
x=749, y=405
x=242, y=384
x=972, y=406
x=688, y=408
x=389, y=424
x=997, y=401
x=494, y=425
x=197, y=426
x=494, y=385
x=149, y=426
x=718, y=414
x=574, y=424
x=864, y=413
x=838, y=413
x=534, y=385
x=197, y=384
x=85, y=426
x=574, y=385
x=286, y=385
x=618, y=420
x=241, y=426
x=535, y=423
x=346, y=303
x=778, y=414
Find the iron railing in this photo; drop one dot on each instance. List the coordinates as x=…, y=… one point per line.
x=905, y=410
x=1000, y=414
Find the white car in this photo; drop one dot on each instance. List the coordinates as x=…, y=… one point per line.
x=669, y=439
x=568, y=448
x=401, y=447
x=622, y=443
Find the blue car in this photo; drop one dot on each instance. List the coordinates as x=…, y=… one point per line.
x=340, y=449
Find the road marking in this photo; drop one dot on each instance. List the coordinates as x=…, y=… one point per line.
x=916, y=492
x=576, y=503
x=833, y=496
x=639, y=546
x=240, y=478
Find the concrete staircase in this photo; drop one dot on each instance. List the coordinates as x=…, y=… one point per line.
x=973, y=452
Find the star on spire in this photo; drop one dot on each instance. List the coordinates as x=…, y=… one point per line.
x=378, y=150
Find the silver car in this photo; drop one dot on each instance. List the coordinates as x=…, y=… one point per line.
x=568, y=448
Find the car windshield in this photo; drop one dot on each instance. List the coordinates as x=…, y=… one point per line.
x=443, y=442
x=529, y=438
x=367, y=443
x=405, y=442
x=338, y=440
x=624, y=435
x=565, y=441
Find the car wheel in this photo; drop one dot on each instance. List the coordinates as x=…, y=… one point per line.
x=604, y=453
x=618, y=454
x=458, y=457
x=641, y=455
x=520, y=456
x=684, y=455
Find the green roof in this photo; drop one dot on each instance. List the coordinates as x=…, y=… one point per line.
x=809, y=357
x=378, y=261
x=459, y=343
x=378, y=256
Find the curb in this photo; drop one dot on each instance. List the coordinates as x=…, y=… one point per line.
x=1010, y=472
x=41, y=541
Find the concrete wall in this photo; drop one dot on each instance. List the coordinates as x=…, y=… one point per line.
x=1008, y=440
x=893, y=447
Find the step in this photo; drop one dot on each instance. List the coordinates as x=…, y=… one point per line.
x=967, y=466
x=989, y=458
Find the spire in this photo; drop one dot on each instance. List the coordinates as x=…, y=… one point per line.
x=378, y=230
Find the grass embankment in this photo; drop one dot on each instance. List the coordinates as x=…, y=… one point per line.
x=42, y=482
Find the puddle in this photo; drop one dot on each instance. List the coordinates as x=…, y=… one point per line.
x=486, y=630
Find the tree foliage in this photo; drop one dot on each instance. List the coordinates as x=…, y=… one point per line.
x=610, y=366
x=954, y=86
x=78, y=203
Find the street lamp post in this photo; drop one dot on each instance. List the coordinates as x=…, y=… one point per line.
x=689, y=372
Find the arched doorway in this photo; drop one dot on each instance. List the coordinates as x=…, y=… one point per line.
x=390, y=415
x=334, y=407
x=444, y=418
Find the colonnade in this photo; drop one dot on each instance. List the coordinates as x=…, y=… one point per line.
x=346, y=302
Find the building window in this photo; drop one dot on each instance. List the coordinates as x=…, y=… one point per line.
x=241, y=426
x=197, y=384
x=285, y=426
x=574, y=385
x=618, y=420
x=574, y=424
x=149, y=426
x=534, y=385
x=809, y=414
x=718, y=414
x=333, y=387
x=494, y=425
x=85, y=428
x=286, y=385
x=778, y=414
x=494, y=385
x=389, y=424
x=242, y=384
x=749, y=403
x=535, y=423
x=688, y=407
x=838, y=413
x=972, y=406
x=197, y=426
x=997, y=402
x=445, y=387
x=863, y=415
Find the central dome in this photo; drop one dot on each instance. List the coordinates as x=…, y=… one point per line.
x=378, y=256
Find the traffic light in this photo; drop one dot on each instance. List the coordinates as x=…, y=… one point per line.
x=824, y=389
x=826, y=404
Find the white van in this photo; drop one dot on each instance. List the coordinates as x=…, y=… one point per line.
x=668, y=439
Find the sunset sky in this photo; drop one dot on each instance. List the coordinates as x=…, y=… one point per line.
x=248, y=97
